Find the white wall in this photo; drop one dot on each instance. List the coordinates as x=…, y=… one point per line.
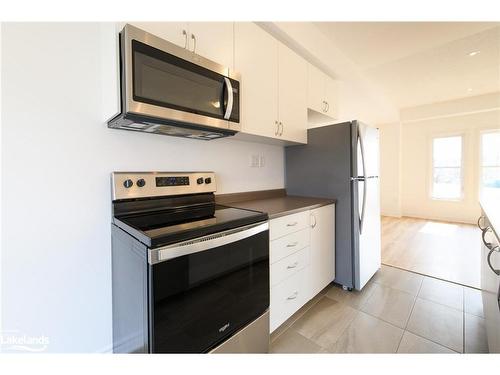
x=57, y=156
x=390, y=169
x=416, y=166
x=409, y=145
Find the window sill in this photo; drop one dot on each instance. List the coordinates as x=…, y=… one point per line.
x=456, y=200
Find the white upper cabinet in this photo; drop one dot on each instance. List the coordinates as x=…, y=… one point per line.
x=331, y=98
x=213, y=40
x=292, y=95
x=256, y=59
x=321, y=97
x=174, y=32
x=273, y=86
x=316, y=88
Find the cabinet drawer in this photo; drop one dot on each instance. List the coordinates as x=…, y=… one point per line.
x=287, y=245
x=288, y=266
x=284, y=225
x=287, y=297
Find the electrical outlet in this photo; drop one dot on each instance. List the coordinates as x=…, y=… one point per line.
x=254, y=161
x=262, y=161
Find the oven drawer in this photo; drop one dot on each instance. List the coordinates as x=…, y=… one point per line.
x=284, y=225
x=288, y=266
x=287, y=297
x=287, y=245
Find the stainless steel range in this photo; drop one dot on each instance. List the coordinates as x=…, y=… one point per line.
x=189, y=276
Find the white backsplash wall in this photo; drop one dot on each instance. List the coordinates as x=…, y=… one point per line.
x=57, y=156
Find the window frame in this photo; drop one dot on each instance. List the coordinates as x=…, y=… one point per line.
x=480, y=157
x=462, y=136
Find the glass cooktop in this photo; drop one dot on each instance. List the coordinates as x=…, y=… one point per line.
x=170, y=226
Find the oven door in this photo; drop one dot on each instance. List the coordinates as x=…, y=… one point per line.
x=165, y=81
x=205, y=290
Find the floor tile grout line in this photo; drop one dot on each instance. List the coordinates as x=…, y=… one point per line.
x=440, y=304
x=434, y=342
x=414, y=303
x=411, y=312
x=432, y=277
x=462, y=311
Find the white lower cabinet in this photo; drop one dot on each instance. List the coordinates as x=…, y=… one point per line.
x=323, y=246
x=302, y=259
x=287, y=297
x=286, y=267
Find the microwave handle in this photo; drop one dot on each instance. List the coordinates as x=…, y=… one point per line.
x=229, y=107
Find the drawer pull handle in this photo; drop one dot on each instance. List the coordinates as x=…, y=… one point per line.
x=293, y=265
x=293, y=296
x=479, y=223
x=292, y=244
x=494, y=249
x=487, y=244
x=292, y=224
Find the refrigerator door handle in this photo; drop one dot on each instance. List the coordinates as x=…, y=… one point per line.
x=362, y=179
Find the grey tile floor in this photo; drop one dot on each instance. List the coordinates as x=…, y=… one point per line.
x=397, y=312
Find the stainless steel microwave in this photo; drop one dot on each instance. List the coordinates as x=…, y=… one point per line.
x=167, y=89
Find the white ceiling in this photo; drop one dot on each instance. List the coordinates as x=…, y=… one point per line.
x=416, y=63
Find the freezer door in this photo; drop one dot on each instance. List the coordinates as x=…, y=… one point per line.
x=367, y=191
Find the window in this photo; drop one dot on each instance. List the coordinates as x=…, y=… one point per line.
x=447, y=168
x=490, y=161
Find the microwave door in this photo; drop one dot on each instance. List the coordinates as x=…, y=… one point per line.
x=162, y=83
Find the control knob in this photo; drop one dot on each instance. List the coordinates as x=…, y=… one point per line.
x=199, y=181
x=128, y=183
x=141, y=182
x=208, y=180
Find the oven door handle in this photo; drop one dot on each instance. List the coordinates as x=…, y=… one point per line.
x=199, y=244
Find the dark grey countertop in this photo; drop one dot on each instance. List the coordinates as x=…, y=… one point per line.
x=283, y=205
x=491, y=207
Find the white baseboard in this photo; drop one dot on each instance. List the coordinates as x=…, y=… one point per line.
x=440, y=218
x=391, y=214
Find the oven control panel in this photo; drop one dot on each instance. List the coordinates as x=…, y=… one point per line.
x=131, y=185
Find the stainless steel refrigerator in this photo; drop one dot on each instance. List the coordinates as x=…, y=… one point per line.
x=341, y=161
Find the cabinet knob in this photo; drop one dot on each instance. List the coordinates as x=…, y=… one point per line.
x=277, y=128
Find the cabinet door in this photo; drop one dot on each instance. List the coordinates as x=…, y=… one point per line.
x=292, y=95
x=322, y=252
x=331, y=97
x=214, y=40
x=315, y=88
x=171, y=31
x=256, y=59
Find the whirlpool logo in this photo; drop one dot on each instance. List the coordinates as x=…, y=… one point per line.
x=224, y=327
